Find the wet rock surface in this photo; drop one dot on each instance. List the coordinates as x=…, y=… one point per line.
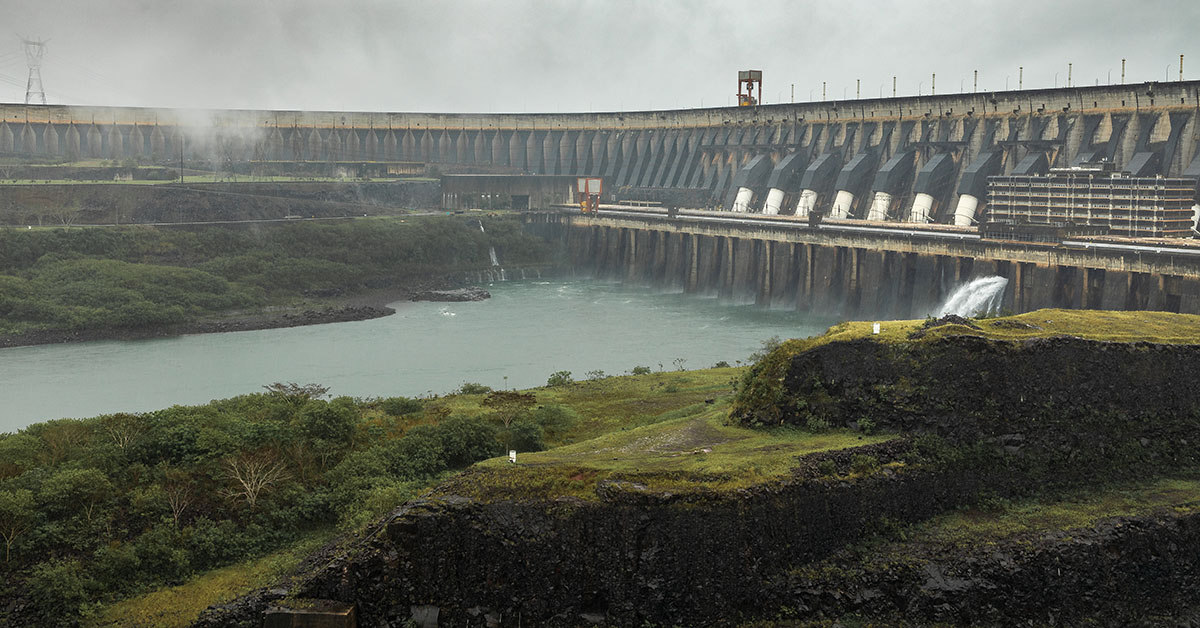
x=472, y=293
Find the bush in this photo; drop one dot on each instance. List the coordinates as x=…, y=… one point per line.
x=554, y=419
x=398, y=406
x=641, y=370
x=816, y=425
x=866, y=426
x=466, y=441
x=524, y=436
x=862, y=464
x=721, y=365
x=59, y=589
x=595, y=375
x=332, y=422
x=827, y=468
x=560, y=378
x=472, y=388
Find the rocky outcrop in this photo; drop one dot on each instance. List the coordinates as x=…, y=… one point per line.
x=1132, y=571
x=1002, y=417
x=472, y=293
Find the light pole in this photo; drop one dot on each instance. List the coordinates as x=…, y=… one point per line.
x=1110, y=76
x=1056, y=79
x=920, y=84
x=1006, y=77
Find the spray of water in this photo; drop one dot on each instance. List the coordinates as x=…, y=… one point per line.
x=984, y=295
x=492, y=254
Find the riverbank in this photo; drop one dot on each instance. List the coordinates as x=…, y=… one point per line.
x=343, y=308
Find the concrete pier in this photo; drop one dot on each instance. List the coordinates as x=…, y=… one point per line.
x=846, y=270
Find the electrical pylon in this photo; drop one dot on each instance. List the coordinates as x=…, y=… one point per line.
x=35, y=94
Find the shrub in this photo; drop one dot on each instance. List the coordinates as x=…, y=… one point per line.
x=524, y=436
x=59, y=589
x=465, y=441
x=398, y=406
x=332, y=422
x=560, y=378
x=473, y=388
x=595, y=375
x=641, y=370
x=816, y=424
x=554, y=419
x=863, y=464
x=866, y=426
x=827, y=468
x=721, y=365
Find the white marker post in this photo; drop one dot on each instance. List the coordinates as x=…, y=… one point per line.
x=512, y=456
x=875, y=329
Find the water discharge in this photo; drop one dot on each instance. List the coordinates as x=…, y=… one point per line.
x=984, y=295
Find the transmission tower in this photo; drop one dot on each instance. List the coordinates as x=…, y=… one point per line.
x=35, y=94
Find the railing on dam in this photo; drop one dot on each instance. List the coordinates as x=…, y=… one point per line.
x=922, y=158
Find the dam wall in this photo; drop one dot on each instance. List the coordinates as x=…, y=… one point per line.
x=923, y=158
x=848, y=272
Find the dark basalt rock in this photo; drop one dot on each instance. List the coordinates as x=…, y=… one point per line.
x=452, y=296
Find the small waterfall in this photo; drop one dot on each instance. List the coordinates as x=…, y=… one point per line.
x=481, y=226
x=492, y=254
x=984, y=295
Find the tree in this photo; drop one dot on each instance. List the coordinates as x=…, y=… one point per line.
x=295, y=394
x=123, y=427
x=177, y=487
x=73, y=488
x=251, y=473
x=16, y=516
x=509, y=405
x=62, y=437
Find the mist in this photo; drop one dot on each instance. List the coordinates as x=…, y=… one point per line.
x=590, y=55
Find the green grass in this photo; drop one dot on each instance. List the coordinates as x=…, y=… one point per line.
x=1073, y=510
x=179, y=606
x=1161, y=327
x=663, y=431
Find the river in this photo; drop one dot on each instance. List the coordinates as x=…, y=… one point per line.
x=525, y=332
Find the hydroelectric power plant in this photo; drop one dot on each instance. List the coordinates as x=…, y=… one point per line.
x=1081, y=197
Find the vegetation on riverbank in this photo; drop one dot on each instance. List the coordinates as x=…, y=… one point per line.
x=143, y=277
x=115, y=507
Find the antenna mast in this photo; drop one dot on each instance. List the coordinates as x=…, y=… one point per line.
x=35, y=94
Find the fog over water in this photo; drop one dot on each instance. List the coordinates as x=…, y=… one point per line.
x=526, y=331
x=579, y=55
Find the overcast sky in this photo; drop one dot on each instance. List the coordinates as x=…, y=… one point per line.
x=585, y=55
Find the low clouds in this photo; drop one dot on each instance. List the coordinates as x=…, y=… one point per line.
x=526, y=55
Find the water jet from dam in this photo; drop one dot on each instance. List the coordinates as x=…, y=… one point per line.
x=984, y=295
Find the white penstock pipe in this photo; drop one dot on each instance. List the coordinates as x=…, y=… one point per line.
x=880, y=206
x=921, y=208
x=964, y=214
x=741, y=203
x=773, y=202
x=808, y=200
x=842, y=204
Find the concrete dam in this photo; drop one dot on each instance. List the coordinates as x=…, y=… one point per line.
x=912, y=173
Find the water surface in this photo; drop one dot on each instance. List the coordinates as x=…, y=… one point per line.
x=525, y=332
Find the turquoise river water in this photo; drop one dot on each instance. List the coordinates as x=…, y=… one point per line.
x=525, y=332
